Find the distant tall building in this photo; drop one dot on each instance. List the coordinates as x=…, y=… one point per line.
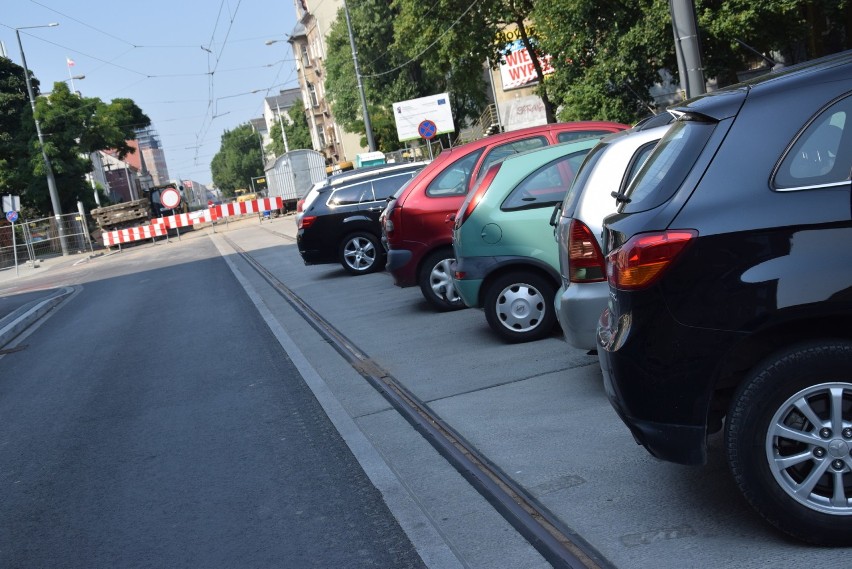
x=152, y=152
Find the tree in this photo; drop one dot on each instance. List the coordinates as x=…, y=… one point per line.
x=73, y=127
x=16, y=129
x=238, y=160
x=296, y=128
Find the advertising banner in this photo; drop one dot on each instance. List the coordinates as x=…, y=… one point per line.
x=517, y=69
x=410, y=114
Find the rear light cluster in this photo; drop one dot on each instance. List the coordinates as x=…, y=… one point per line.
x=307, y=221
x=586, y=263
x=641, y=261
x=476, y=195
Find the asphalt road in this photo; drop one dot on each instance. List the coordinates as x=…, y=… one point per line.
x=154, y=421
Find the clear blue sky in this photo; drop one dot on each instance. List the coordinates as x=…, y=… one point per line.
x=156, y=53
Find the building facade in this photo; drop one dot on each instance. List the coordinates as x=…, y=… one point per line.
x=153, y=156
x=314, y=20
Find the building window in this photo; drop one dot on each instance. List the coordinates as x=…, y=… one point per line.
x=312, y=92
x=321, y=137
x=306, y=60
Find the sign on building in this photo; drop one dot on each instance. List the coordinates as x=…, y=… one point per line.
x=410, y=114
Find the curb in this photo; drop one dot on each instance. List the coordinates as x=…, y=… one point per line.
x=15, y=323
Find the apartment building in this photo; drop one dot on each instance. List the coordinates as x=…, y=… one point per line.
x=314, y=19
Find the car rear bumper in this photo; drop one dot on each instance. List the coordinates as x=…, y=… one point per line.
x=396, y=265
x=578, y=309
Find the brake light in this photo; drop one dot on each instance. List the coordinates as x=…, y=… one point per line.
x=476, y=195
x=307, y=221
x=586, y=263
x=642, y=260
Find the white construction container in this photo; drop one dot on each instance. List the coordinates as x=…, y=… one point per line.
x=292, y=175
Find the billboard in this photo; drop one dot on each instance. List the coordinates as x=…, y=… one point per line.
x=409, y=114
x=516, y=67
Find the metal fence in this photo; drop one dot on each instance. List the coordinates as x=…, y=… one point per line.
x=29, y=240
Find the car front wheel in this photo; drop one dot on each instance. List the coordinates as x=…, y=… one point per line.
x=519, y=306
x=361, y=253
x=436, y=281
x=789, y=437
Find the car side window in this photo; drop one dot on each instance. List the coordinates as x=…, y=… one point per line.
x=354, y=194
x=385, y=187
x=455, y=179
x=637, y=161
x=573, y=135
x=510, y=148
x=547, y=185
x=822, y=154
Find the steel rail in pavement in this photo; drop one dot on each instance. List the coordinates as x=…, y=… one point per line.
x=558, y=544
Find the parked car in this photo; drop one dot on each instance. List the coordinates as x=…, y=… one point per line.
x=608, y=168
x=341, y=222
x=730, y=271
x=506, y=258
x=417, y=225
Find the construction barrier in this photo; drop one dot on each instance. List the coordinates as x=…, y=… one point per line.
x=160, y=226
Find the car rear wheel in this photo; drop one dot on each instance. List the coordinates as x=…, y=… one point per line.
x=436, y=281
x=789, y=436
x=360, y=253
x=519, y=306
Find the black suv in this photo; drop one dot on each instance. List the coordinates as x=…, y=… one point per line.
x=341, y=221
x=730, y=271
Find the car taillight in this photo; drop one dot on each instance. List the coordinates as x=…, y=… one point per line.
x=307, y=221
x=642, y=260
x=476, y=195
x=586, y=263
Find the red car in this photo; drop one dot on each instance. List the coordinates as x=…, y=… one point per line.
x=417, y=224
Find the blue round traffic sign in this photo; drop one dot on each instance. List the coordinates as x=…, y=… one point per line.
x=11, y=216
x=427, y=129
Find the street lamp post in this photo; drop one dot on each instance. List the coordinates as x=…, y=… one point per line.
x=51, y=181
x=367, y=126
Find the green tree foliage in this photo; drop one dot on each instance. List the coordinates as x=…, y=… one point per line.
x=457, y=38
x=607, y=55
x=72, y=126
x=238, y=160
x=16, y=129
x=297, y=130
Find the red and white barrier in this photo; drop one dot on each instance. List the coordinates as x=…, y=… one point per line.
x=155, y=229
x=159, y=227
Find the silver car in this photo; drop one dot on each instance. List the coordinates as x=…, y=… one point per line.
x=607, y=170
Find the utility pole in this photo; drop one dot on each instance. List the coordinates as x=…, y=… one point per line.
x=687, y=47
x=367, y=126
x=51, y=181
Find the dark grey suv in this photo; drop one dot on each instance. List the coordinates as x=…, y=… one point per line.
x=729, y=265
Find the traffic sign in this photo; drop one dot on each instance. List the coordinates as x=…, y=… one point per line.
x=11, y=216
x=427, y=129
x=170, y=198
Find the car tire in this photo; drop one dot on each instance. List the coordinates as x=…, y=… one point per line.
x=361, y=253
x=436, y=282
x=788, y=437
x=519, y=306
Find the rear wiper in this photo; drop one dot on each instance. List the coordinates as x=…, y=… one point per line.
x=620, y=197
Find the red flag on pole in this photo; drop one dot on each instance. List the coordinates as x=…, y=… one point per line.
x=70, y=62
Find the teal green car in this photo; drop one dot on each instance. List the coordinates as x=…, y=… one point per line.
x=506, y=256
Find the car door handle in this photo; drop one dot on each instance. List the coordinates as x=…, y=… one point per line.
x=450, y=218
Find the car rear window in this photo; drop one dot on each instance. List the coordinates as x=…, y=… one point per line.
x=668, y=165
x=817, y=158
x=547, y=185
x=514, y=147
x=586, y=169
x=454, y=178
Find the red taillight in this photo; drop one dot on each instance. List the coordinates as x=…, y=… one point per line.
x=641, y=261
x=307, y=221
x=476, y=196
x=585, y=261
